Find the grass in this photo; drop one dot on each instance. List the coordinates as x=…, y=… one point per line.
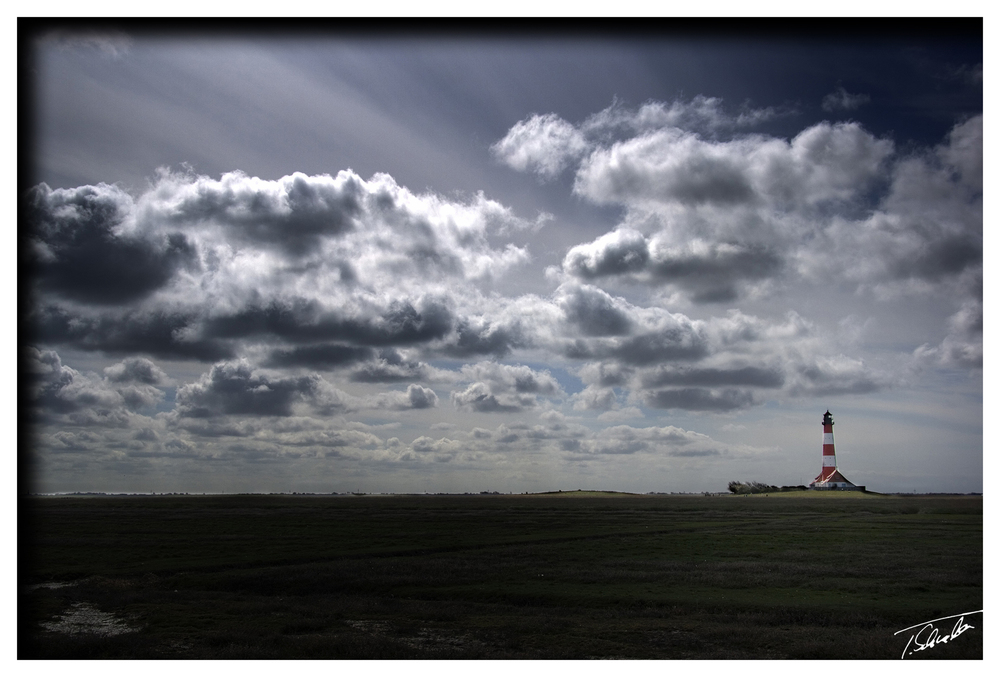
x=540, y=576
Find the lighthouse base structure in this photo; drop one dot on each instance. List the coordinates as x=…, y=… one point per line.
x=834, y=481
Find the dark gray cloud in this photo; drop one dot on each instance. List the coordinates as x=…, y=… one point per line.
x=713, y=275
x=672, y=343
x=660, y=346
x=477, y=336
x=62, y=389
x=420, y=397
x=303, y=320
x=836, y=376
x=163, y=334
x=293, y=213
x=324, y=356
x=941, y=258
x=711, y=377
x=88, y=399
x=700, y=399
x=234, y=389
x=594, y=312
x=84, y=250
x=709, y=272
x=675, y=337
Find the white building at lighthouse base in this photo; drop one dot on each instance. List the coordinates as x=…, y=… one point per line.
x=834, y=480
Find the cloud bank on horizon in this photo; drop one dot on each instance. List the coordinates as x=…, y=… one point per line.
x=333, y=331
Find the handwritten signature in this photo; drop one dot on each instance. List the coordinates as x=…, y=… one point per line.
x=927, y=636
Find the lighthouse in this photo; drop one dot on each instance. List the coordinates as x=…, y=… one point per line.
x=830, y=477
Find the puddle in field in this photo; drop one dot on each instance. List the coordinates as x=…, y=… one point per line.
x=84, y=619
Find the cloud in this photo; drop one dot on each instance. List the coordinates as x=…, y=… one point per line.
x=136, y=369
x=293, y=213
x=705, y=114
x=544, y=144
x=515, y=378
x=479, y=336
x=962, y=348
x=390, y=367
x=165, y=333
x=619, y=252
x=303, y=320
x=824, y=162
x=665, y=166
x=700, y=399
x=927, y=229
x=415, y=397
x=478, y=397
x=595, y=398
x=710, y=272
x=63, y=389
x=593, y=311
x=85, y=250
x=419, y=397
x=713, y=272
x=841, y=99
x=233, y=388
x=710, y=377
x=501, y=388
x=715, y=220
x=605, y=374
x=668, y=440
x=547, y=144
x=323, y=356
x=835, y=375
x=88, y=399
x=675, y=337
x=316, y=270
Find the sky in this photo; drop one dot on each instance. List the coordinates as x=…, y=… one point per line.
x=390, y=262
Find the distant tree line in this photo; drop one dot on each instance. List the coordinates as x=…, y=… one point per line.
x=760, y=488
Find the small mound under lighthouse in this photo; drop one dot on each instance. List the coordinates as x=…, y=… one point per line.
x=830, y=477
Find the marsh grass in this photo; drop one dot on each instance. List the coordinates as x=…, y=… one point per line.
x=488, y=577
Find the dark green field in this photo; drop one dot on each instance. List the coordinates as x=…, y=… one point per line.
x=494, y=577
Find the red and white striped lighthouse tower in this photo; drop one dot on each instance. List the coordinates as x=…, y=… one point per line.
x=829, y=477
